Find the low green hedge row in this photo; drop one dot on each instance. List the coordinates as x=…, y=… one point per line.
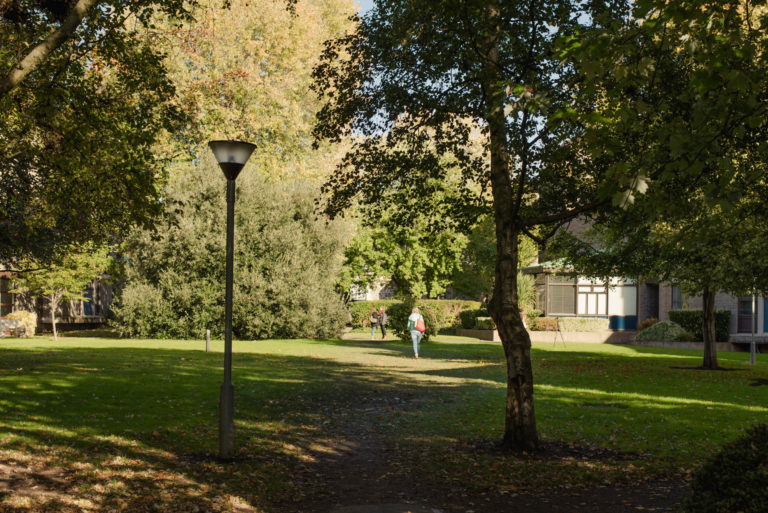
x=438, y=314
x=665, y=331
x=691, y=320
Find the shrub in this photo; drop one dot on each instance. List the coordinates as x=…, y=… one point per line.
x=686, y=336
x=666, y=331
x=28, y=320
x=735, y=479
x=691, y=320
x=286, y=262
x=484, y=323
x=647, y=323
x=468, y=318
x=398, y=319
x=544, y=324
x=360, y=311
x=531, y=318
x=584, y=323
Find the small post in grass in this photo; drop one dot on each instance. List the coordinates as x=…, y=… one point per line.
x=207, y=341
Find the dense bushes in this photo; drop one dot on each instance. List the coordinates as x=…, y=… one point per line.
x=484, y=323
x=543, y=324
x=666, y=331
x=28, y=320
x=735, y=479
x=468, y=318
x=691, y=321
x=286, y=263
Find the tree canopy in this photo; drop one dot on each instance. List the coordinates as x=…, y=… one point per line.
x=84, y=96
x=561, y=97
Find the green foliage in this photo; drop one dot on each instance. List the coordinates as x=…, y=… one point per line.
x=735, y=479
x=544, y=324
x=66, y=279
x=484, y=323
x=77, y=135
x=647, y=323
x=691, y=321
x=468, y=318
x=665, y=331
x=531, y=317
x=360, y=311
x=583, y=323
x=27, y=319
x=286, y=262
x=686, y=336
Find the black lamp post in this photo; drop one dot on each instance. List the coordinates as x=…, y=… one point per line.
x=231, y=156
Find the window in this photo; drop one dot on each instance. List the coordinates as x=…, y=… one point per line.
x=677, y=298
x=6, y=298
x=562, y=299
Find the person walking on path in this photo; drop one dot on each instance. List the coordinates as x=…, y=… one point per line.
x=383, y=320
x=374, y=318
x=417, y=327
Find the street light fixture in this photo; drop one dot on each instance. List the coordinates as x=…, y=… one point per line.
x=231, y=156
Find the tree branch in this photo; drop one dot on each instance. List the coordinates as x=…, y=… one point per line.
x=39, y=53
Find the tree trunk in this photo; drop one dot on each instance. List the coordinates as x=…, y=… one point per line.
x=54, y=306
x=519, y=421
x=708, y=329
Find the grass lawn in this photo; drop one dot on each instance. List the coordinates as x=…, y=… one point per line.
x=109, y=424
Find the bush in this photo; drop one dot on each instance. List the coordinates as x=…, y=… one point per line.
x=592, y=324
x=735, y=479
x=484, y=323
x=360, y=311
x=286, y=263
x=686, y=336
x=28, y=320
x=531, y=318
x=468, y=319
x=666, y=331
x=647, y=323
x=691, y=320
x=544, y=324
x=398, y=319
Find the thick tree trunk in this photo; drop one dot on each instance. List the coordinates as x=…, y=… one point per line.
x=54, y=306
x=519, y=421
x=708, y=329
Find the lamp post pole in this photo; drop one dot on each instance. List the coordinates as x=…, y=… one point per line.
x=231, y=156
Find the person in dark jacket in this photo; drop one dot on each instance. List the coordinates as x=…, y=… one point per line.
x=374, y=319
x=383, y=319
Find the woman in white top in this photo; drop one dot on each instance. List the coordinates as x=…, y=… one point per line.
x=415, y=334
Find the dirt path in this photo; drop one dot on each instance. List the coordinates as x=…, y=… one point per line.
x=356, y=478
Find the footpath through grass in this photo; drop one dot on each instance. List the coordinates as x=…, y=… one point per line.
x=126, y=425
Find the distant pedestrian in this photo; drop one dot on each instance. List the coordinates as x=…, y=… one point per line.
x=417, y=327
x=383, y=320
x=374, y=318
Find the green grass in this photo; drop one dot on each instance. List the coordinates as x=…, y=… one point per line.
x=135, y=421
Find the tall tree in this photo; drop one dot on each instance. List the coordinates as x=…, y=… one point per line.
x=84, y=97
x=701, y=119
x=559, y=135
x=66, y=280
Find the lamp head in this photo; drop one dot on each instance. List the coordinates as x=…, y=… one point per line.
x=231, y=156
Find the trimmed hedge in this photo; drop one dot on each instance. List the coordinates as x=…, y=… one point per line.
x=647, y=323
x=438, y=314
x=544, y=324
x=691, y=320
x=484, y=323
x=735, y=479
x=468, y=318
x=666, y=331
x=592, y=324
x=360, y=311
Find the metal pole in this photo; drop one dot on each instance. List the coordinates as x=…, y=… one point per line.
x=226, y=398
x=752, y=329
x=207, y=341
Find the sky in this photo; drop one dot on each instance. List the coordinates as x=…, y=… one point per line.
x=364, y=5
